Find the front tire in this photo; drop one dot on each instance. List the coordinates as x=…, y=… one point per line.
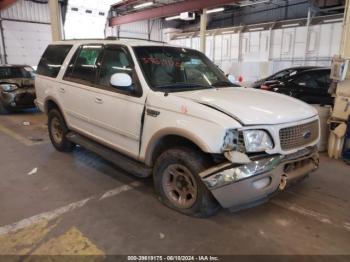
x=178, y=184
x=3, y=110
x=58, y=131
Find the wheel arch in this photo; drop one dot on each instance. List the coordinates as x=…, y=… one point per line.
x=51, y=103
x=169, y=138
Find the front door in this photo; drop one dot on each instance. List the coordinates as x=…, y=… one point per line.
x=117, y=113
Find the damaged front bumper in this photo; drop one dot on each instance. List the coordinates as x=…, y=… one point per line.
x=242, y=186
x=18, y=99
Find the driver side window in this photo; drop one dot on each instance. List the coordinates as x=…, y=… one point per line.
x=115, y=60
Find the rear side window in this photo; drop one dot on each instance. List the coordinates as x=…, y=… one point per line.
x=83, y=65
x=52, y=60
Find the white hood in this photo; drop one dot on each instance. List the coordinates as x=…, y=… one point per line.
x=252, y=107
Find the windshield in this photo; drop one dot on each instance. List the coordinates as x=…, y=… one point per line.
x=280, y=75
x=172, y=69
x=16, y=72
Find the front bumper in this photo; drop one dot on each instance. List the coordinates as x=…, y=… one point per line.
x=19, y=99
x=239, y=187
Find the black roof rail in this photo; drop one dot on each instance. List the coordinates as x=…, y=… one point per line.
x=113, y=38
x=133, y=38
x=82, y=39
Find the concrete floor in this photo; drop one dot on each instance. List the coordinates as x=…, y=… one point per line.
x=79, y=204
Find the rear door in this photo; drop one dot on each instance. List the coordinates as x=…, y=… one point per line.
x=78, y=85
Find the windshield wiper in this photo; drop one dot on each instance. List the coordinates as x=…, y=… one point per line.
x=182, y=86
x=223, y=83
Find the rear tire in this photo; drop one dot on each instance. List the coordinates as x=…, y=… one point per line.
x=58, y=131
x=178, y=184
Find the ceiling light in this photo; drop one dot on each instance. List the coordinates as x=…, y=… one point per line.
x=290, y=25
x=172, y=18
x=227, y=32
x=215, y=10
x=256, y=29
x=143, y=5
x=186, y=16
x=333, y=20
x=252, y=3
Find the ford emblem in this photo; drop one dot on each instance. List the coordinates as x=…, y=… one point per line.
x=307, y=134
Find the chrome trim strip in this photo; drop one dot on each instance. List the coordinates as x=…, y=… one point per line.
x=226, y=173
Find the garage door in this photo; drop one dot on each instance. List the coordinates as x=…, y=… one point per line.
x=25, y=42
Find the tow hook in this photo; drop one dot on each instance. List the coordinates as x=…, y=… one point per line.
x=283, y=182
x=316, y=162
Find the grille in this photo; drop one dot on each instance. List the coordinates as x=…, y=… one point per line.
x=300, y=135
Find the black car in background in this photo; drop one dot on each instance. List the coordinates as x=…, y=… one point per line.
x=16, y=88
x=309, y=84
x=283, y=74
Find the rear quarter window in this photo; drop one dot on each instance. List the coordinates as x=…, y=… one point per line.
x=52, y=60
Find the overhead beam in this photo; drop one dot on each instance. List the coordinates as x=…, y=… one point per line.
x=6, y=3
x=167, y=10
x=125, y=3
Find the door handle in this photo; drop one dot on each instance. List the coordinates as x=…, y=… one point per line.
x=347, y=105
x=98, y=100
x=62, y=90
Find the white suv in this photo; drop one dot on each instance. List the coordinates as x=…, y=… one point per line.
x=155, y=109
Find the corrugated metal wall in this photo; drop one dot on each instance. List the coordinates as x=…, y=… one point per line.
x=275, y=10
x=258, y=54
x=27, y=11
x=26, y=31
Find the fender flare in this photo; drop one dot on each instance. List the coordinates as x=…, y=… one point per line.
x=173, y=131
x=50, y=98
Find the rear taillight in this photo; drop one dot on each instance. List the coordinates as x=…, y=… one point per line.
x=264, y=87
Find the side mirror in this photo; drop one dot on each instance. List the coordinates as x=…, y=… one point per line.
x=122, y=80
x=232, y=79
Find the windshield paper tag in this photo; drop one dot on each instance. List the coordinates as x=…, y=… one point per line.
x=163, y=62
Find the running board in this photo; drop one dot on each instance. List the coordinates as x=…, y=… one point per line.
x=131, y=166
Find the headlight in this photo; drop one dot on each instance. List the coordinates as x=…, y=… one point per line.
x=257, y=140
x=8, y=87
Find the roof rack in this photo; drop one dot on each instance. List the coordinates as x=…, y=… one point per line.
x=133, y=38
x=114, y=38
x=82, y=39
